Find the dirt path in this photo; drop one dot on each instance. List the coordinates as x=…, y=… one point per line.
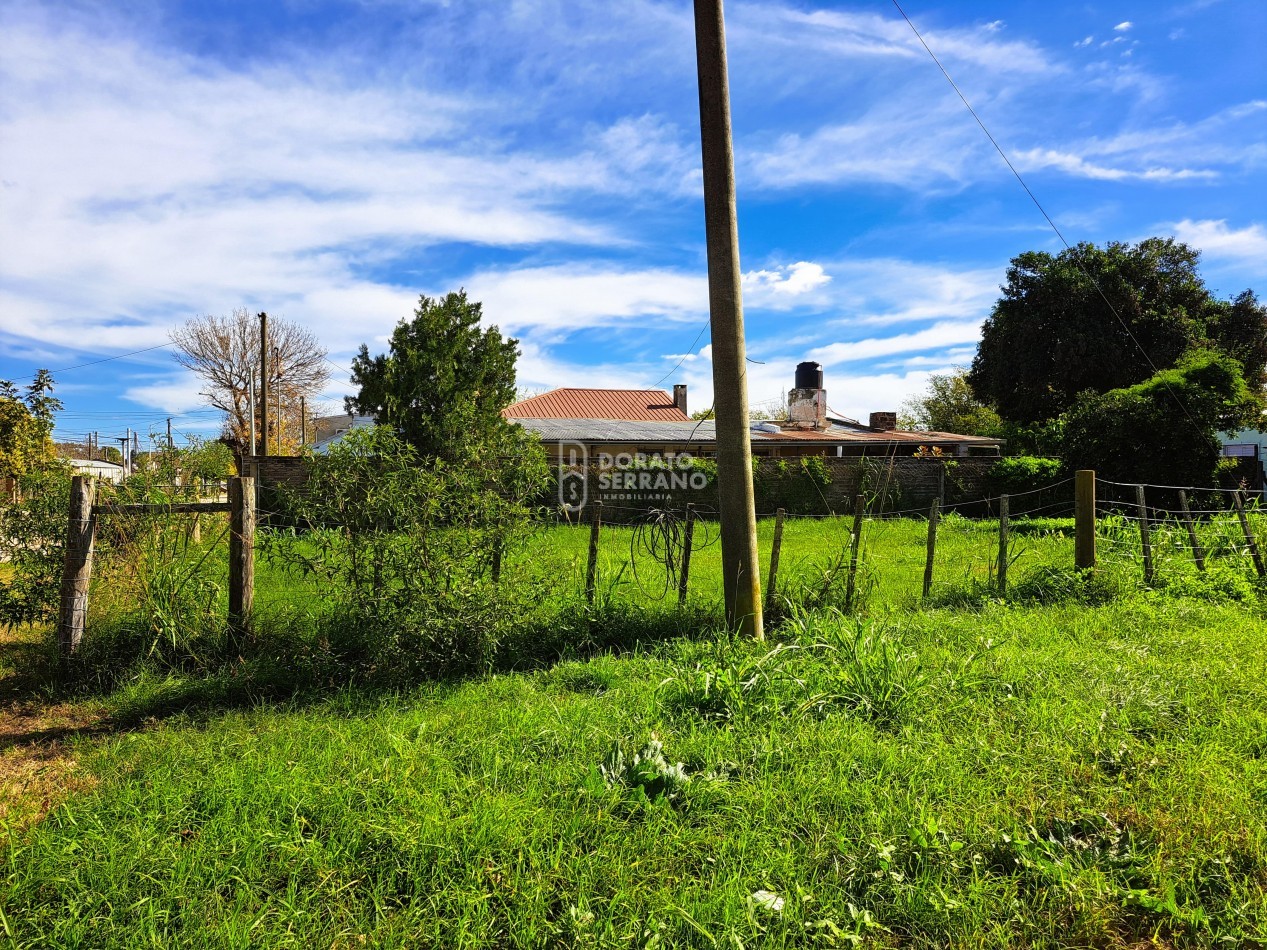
x=38, y=737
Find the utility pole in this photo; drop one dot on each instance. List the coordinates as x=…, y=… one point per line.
x=263, y=384
x=169, y=433
x=303, y=424
x=251, y=414
x=740, y=565
x=123, y=447
x=277, y=367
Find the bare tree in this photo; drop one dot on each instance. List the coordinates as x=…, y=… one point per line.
x=224, y=352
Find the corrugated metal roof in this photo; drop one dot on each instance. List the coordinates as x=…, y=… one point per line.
x=620, y=430
x=704, y=431
x=630, y=405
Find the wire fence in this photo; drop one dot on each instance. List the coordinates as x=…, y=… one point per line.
x=1178, y=535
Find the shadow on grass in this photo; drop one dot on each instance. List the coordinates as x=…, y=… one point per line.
x=282, y=664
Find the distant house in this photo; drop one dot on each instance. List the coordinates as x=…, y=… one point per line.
x=107, y=471
x=1249, y=448
x=619, y=421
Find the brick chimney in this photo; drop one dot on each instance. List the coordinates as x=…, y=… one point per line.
x=884, y=421
x=679, y=397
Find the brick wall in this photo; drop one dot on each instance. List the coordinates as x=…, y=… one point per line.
x=272, y=470
x=907, y=483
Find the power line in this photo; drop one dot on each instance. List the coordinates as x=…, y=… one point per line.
x=1043, y=211
x=109, y=359
x=690, y=351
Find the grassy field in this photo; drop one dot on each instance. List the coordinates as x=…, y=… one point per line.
x=1085, y=771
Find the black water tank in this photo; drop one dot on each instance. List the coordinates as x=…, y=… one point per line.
x=809, y=375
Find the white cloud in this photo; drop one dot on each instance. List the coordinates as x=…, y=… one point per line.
x=176, y=393
x=939, y=335
x=1078, y=165
x=792, y=280
x=1085, y=41
x=1123, y=26
x=572, y=297
x=148, y=186
x=1217, y=239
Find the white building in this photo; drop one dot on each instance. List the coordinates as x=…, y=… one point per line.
x=1249, y=448
x=109, y=471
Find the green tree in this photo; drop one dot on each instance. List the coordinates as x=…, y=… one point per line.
x=26, y=425
x=444, y=381
x=949, y=405
x=1052, y=335
x=1140, y=433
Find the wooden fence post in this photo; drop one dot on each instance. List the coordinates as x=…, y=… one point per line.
x=591, y=568
x=241, y=551
x=1003, y=516
x=1250, y=540
x=687, y=539
x=851, y=583
x=1145, y=539
x=81, y=533
x=1197, y=554
x=1084, y=518
x=934, y=514
x=772, y=582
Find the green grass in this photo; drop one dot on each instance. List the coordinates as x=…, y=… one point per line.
x=1051, y=776
x=1081, y=767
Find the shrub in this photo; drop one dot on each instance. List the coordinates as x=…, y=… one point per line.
x=404, y=546
x=32, y=542
x=1014, y=474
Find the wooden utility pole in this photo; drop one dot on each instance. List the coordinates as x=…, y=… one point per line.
x=303, y=423
x=741, y=580
x=263, y=384
x=169, y=432
x=1084, y=518
x=277, y=368
x=251, y=415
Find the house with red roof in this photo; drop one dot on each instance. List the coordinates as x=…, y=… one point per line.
x=651, y=421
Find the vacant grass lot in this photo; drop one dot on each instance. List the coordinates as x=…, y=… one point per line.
x=983, y=774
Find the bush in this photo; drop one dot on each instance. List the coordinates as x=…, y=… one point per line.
x=1015, y=474
x=404, y=547
x=32, y=542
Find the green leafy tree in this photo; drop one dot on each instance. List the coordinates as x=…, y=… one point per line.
x=1052, y=335
x=26, y=425
x=1140, y=433
x=443, y=383
x=949, y=405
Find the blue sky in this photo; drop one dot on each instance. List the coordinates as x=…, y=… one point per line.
x=329, y=161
